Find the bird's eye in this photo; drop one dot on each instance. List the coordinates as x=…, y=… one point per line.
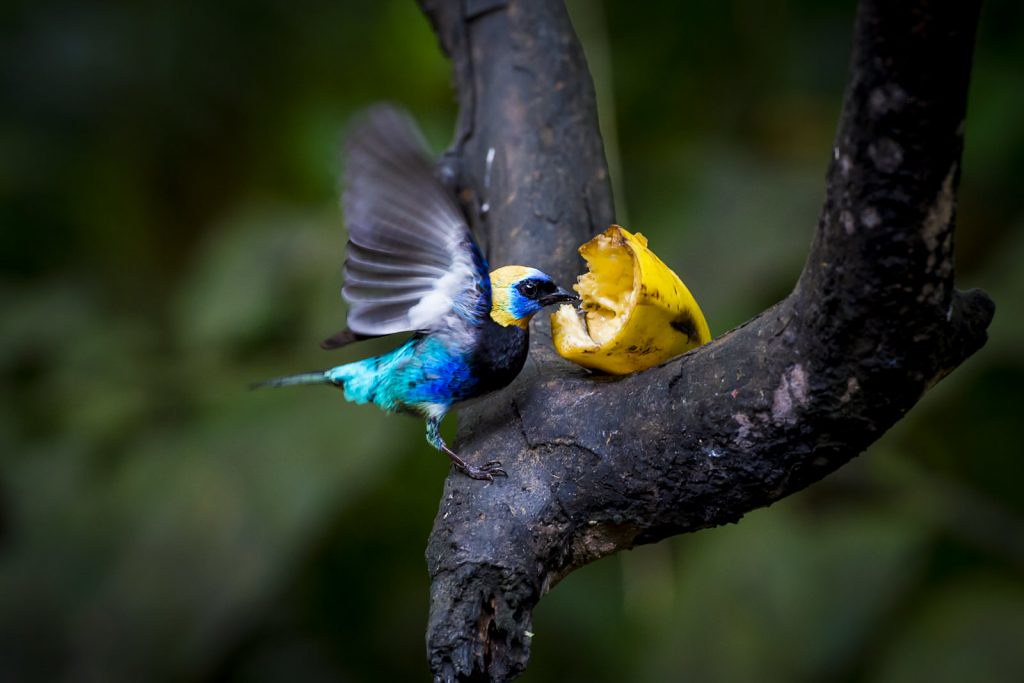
x=528, y=288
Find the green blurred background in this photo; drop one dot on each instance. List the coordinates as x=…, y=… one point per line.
x=170, y=232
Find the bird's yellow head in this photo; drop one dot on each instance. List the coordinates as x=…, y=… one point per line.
x=518, y=292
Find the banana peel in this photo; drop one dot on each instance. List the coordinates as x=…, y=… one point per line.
x=636, y=312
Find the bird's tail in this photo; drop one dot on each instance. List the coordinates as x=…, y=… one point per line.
x=319, y=377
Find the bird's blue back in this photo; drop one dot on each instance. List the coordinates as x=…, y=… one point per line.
x=425, y=372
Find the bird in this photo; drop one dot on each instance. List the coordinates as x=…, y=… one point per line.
x=412, y=265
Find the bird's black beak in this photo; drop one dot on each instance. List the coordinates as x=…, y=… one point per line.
x=558, y=297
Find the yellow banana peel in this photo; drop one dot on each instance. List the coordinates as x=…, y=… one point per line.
x=636, y=312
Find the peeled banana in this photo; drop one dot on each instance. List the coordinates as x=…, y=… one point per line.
x=636, y=312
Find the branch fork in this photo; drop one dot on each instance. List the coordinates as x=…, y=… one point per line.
x=597, y=465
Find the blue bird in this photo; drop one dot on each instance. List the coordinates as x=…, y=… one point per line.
x=412, y=265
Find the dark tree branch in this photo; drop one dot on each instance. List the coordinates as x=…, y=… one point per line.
x=597, y=465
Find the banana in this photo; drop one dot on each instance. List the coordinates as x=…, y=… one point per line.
x=636, y=312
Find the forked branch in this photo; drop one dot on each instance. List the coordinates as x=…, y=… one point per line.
x=597, y=465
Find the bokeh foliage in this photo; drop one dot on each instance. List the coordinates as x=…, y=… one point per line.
x=170, y=232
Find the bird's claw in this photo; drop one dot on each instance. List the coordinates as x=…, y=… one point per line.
x=486, y=472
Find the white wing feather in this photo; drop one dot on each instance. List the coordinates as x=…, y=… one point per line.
x=410, y=260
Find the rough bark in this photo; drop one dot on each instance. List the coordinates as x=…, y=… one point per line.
x=597, y=465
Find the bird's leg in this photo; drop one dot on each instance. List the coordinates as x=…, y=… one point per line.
x=486, y=473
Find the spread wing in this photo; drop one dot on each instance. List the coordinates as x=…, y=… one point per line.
x=411, y=259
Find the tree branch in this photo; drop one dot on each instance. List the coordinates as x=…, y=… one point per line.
x=599, y=464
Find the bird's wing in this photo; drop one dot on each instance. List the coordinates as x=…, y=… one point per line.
x=343, y=338
x=411, y=259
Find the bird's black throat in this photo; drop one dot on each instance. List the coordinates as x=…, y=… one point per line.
x=500, y=354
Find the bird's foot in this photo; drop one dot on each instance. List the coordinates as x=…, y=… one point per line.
x=486, y=472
